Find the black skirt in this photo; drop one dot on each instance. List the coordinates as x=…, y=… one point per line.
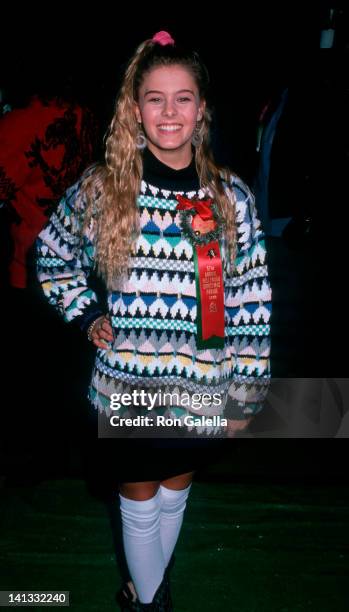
x=118, y=460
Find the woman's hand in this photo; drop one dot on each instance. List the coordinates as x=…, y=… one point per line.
x=101, y=333
x=236, y=426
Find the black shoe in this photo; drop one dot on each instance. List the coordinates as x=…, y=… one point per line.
x=124, y=598
x=162, y=601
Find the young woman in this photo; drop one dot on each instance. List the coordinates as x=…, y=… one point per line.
x=177, y=242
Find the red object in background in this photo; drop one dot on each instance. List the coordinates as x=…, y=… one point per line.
x=44, y=148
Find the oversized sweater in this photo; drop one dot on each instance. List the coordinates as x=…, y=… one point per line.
x=154, y=313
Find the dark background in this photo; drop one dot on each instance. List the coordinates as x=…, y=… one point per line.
x=251, y=52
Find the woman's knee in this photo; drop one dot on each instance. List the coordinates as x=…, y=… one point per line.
x=139, y=491
x=178, y=482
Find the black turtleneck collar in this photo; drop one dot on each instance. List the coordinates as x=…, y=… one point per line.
x=160, y=175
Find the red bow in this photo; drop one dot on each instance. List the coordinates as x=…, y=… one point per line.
x=201, y=207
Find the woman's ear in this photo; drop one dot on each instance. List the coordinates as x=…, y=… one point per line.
x=201, y=110
x=137, y=112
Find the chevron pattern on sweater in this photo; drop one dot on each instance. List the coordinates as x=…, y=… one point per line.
x=154, y=314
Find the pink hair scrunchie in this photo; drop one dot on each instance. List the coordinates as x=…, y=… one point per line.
x=163, y=38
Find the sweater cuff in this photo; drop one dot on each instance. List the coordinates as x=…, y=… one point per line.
x=90, y=314
x=241, y=410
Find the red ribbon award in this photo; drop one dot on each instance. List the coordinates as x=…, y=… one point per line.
x=203, y=231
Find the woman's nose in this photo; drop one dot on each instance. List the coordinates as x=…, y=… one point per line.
x=169, y=109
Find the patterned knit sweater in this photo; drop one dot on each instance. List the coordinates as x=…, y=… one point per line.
x=154, y=314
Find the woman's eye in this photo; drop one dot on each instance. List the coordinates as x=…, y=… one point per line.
x=184, y=99
x=155, y=100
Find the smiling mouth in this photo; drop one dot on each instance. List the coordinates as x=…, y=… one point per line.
x=169, y=128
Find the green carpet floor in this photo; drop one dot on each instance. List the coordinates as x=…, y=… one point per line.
x=244, y=547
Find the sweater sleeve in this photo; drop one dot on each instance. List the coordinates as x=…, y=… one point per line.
x=248, y=306
x=65, y=261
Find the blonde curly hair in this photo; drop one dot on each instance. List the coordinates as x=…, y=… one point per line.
x=111, y=190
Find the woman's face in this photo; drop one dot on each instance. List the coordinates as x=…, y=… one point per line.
x=169, y=107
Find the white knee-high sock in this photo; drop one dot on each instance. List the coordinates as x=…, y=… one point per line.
x=171, y=518
x=142, y=543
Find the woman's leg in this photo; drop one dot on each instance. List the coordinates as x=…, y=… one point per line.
x=143, y=506
x=140, y=511
x=174, y=494
x=178, y=482
x=139, y=490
